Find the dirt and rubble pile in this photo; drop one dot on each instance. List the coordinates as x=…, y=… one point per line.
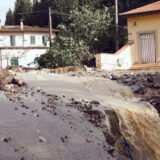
x=9, y=81
x=90, y=72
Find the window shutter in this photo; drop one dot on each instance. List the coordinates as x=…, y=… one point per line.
x=33, y=41
x=13, y=40
x=43, y=39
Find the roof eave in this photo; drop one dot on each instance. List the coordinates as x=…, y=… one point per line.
x=130, y=15
x=21, y=31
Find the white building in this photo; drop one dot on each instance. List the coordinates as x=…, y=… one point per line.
x=22, y=45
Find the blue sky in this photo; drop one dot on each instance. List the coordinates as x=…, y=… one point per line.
x=5, y=5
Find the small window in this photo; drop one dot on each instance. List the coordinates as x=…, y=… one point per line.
x=33, y=40
x=13, y=40
x=45, y=39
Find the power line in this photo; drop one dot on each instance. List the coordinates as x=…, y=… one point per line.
x=118, y=26
x=32, y=12
x=53, y=12
x=62, y=13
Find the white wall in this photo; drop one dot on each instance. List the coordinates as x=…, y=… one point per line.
x=25, y=56
x=5, y=39
x=22, y=39
x=123, y=60
x=38, y=39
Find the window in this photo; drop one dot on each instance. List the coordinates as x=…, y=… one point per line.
x=33, y=40
x=45, y=39
x=13, y=40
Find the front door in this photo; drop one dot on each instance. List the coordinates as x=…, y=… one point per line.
x=148, y=48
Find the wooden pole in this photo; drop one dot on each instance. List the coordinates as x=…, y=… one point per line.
x=50, y=26
x=116, y=23
x=0, y=59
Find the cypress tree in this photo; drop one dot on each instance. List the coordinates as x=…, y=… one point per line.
x=9, y=18
x=21, y=10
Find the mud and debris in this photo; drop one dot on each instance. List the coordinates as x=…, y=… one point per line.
x=145, y=85
x=48, y=126
x=9, y=82
x=57, y=127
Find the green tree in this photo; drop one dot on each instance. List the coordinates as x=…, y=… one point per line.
x=22, y=10
x=89, y=31
x=93, y=26
x=65, y=51
x=36, y=18
x=60, y=9
x=9, y=18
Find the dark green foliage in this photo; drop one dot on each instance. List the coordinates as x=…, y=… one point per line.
x=21, y=11
x=65, y=6
x=92, y=26
x=9, y=18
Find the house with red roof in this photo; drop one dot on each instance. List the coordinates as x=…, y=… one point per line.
x=143, y=48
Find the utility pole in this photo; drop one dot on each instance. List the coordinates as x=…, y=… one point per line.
x=50, y=26
x=116, y=23
x=0, y=59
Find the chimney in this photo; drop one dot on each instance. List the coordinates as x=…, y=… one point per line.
x=21, y=24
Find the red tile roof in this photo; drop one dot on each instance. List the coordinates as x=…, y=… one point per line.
x=152, y=8
x=25, y=29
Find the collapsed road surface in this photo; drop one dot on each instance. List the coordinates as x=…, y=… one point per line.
x=39, y=125
x=119, y=113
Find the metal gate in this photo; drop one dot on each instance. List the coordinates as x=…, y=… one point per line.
x=148, y=48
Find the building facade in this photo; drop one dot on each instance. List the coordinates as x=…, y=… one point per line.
x=143, y=40
x=22, y=45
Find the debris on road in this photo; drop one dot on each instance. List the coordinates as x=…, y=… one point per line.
x=9, y=82
x=42, y=139
x=5, y=139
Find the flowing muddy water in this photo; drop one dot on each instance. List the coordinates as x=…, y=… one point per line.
x=139, y=122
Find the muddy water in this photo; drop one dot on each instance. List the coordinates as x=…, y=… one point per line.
x=139, y=122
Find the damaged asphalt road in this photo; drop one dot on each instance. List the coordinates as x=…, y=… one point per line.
x=35, y=125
